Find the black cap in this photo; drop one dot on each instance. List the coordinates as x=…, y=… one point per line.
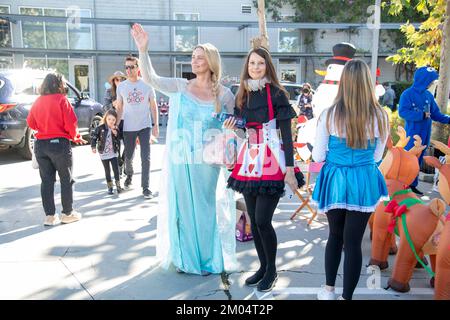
x=342, y=52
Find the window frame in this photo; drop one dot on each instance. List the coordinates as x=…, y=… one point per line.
x=10, y=24
x=46, y=59
x=66, y=26
x=174, y=28
x=283, y=17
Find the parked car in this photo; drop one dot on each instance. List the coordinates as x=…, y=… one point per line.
x=292, y=88
x=18, y=91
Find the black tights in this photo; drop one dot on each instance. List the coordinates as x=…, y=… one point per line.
x=346, y=228
x=260, y=209
x=115, y=166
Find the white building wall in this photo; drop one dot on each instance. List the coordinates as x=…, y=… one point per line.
x=117, y=37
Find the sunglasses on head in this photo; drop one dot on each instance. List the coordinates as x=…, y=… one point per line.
x=118, y=79
x=131, y=67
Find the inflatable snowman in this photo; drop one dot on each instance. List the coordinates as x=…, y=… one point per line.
x=325, y=94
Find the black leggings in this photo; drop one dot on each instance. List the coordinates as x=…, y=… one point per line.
x=260, y=209
x=115, y=166
x=346, y=229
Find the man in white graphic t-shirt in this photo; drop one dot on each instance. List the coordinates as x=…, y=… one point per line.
x=136, y=105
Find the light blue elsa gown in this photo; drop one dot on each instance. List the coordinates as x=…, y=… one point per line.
x=197, y=215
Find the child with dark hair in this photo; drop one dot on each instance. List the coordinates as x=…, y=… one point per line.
x=105, y=139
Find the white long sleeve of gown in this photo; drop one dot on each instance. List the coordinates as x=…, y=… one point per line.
x=320, y=148
x=172, y=85
x=163, y=84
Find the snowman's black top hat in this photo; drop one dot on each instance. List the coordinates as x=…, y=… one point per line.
x=342, y=52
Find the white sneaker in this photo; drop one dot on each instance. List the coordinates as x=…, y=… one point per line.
x=340, y=298
x=72, y=217
x=324, y=294
x=52, y=220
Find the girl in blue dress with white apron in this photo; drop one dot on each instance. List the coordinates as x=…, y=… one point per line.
x=350, y=138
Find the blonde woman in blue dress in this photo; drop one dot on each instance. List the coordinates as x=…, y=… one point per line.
x=197, y=217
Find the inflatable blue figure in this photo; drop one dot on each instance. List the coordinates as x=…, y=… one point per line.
x=418, y=107
x=6, y=89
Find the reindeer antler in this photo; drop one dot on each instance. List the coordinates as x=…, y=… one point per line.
x=418, y=147
x=443, y=148
x=403, y=138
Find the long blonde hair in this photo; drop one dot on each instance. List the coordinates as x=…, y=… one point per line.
x=215, y=66
x=271, y=76
x=356, y=107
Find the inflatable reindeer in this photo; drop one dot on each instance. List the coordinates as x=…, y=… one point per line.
x=401, y=166
x=439, y=247
x=405, y=214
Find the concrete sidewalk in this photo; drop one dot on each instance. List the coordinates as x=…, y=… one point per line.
x=110, y=253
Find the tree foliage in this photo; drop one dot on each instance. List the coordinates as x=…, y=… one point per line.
x=342, y=11
x=336, y=11
x=423, y=45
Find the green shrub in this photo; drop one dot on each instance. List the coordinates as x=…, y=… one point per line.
x=394, y=122
x=398, y=88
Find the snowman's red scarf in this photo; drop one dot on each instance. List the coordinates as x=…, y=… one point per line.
x=337, y=82
x=330, y=82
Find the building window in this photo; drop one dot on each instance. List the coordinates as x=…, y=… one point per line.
x=289, y=40
x=56, y=35
x=33, y=34
x=80, y=36
x=55, y=32
x=289, y=71
x=183, y=68
x=60, y=65
x=5, y=30
x=288, y=74
x=81, y=73
x=186, y=38
x=35, y=63
x=6, y=62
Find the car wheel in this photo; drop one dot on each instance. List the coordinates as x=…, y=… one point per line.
x=94, y=124
x=27, y=150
